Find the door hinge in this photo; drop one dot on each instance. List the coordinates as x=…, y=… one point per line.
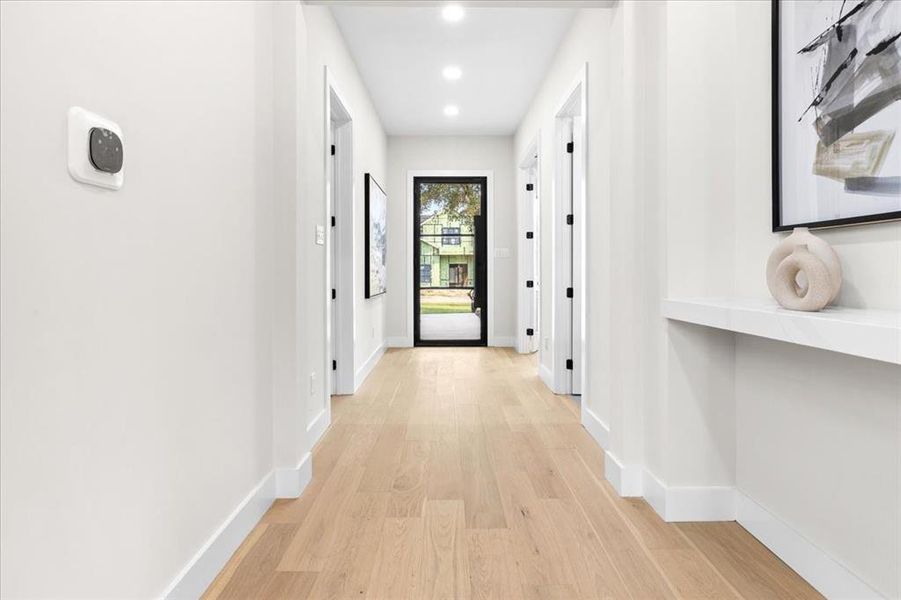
x=529, y=187
x=569, y=147
x=530, y=283
x=334, y=365
x=530, y=332
x=334, y=293
x=569, y=292
x=333, y=150
x=569, y=364
x=569, y=219
x=333, y=221
x=530, y=235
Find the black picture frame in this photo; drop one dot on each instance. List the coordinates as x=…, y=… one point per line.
x=369, y=181
x=777, y=223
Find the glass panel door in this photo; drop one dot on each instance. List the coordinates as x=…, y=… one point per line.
x=450, y=287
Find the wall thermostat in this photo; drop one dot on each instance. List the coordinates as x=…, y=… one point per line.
x=96, y=149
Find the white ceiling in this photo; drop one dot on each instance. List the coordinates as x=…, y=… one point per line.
x=503, y=52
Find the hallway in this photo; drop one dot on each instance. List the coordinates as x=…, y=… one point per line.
x=454, y=473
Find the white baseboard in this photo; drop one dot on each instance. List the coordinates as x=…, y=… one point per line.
x=499, y=341
x=829, y=577
x=399, y=342
x=625, y=480
x=677, y=504
x=200, y=571
x=291, y=482
x=547, y=376
x=723, y=503
x=364, y=371
x=595, y=427
x=318, y=425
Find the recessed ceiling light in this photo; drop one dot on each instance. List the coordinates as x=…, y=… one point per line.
x=453, y=13
x=452, y=73
x=451, y=110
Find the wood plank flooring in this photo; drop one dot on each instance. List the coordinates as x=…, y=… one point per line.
x=454, y=473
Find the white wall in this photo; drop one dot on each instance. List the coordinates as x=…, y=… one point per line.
x=437, y=153
x=156, y=341
x=818, y=433
x=326, y=47
x=679, y=205
x=586, y=42
x=136, y=409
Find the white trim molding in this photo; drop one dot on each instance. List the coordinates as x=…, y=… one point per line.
x=504, y=341
x=677, y=504
x=828, y=576
x=595, y=427
x=318, y=425
x=291, y=482
x=626, y=480
x=547, y=376
x=364, y=371
x=200, y=571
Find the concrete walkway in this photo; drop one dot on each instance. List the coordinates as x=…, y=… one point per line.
x=453, y=326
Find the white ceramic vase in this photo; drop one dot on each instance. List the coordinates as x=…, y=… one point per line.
x=801, y=283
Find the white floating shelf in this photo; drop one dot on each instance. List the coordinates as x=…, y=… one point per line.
x=874, y=334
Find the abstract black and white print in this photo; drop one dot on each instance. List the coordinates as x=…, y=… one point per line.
x=838, y=159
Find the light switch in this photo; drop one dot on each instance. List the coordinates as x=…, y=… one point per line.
x=96, y=149
x=320, y=235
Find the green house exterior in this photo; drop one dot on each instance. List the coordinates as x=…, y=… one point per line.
x=446, y=253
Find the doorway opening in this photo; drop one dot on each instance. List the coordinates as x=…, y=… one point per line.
x=569, y=279
x=450, y=275
x=339, y=242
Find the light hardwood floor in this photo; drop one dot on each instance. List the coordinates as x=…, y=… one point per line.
x=454, y=473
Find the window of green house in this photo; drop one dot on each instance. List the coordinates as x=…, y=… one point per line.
x=450, y=236
x=425, y=274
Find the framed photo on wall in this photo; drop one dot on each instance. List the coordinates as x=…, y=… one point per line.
x=376, y=245
x=836, y=112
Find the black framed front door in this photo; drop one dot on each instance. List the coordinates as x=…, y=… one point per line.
x=450, y=275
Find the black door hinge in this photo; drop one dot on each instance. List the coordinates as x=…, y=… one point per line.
x=569, y=292
x=530, y=332
x=569, y=364
x=530, y=283
x=529, y=187
x=530, y=235
x=333, y=150
x=333, y=221
x=569, y=219
x=334, y=294
x=569, y=147
x=334, y=365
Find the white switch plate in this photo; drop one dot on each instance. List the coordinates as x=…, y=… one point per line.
x=80, y=168
x=320, y=235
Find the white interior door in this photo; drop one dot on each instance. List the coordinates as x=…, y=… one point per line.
x=332, y=183
x=532, y=265
x=578, y=245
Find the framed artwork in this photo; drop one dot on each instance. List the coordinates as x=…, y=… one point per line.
x=836, y=112
x=376, y=245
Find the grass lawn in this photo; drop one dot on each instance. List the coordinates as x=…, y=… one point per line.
x=440, y=309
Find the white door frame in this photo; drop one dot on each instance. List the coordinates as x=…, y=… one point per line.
x=528, y=250
x=339, y=203
x=408, y=233
x=569, y=321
